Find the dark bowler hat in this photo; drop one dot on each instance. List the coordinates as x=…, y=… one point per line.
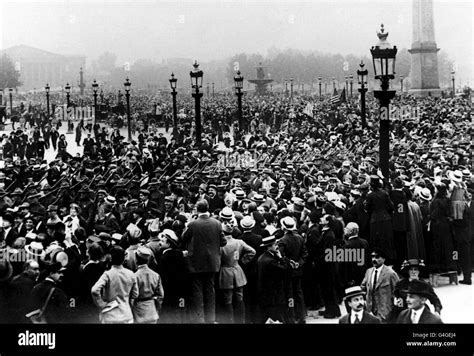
x=418, y=287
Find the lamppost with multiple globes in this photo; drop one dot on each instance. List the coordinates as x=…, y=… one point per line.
x=362, y=78
x=67, y=88
x=47, y=88
x=383, y=57
x=452, y=78
x=95, y=87
x=320, y=83
x=196, y=83
x=127, y=85
x=173, y=83
x=239, y=83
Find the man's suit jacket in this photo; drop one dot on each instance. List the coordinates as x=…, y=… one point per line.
x=366, y=319
x=353, y=272
x=383, y=294
x=203, y=239
x=426, y=318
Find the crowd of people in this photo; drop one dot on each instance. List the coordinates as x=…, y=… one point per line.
x=248, y=227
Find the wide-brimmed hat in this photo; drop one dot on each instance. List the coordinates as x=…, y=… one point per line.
x=352, y=292
x=258, y=198
x=456, y=176
x=414, y=262
x=288, y=223
x=226, y=213
x=247, y=222
x=35, y=249
x=425, y=194
x=418, y=287
x=240, y=194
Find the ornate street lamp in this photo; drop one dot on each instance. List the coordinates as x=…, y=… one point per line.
x=196, y=83
x=383, y=57
x=127, y=85
x=95, y=87
x=47, y=88
x=67, y=88
x=173, y=81
x=239, y=84
x=362, y=79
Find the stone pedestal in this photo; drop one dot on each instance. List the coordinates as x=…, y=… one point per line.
x=424, y=76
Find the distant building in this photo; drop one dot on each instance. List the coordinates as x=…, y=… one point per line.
x=38, y=67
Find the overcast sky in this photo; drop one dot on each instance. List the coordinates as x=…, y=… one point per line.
x=208, y=30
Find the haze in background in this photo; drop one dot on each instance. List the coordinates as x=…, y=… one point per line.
x=210, y=30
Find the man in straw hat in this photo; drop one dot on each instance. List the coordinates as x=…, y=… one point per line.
x=355, y=300
x=293, y=248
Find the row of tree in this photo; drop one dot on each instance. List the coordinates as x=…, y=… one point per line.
x=281, y=65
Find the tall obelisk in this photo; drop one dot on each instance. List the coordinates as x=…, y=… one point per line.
x=424, y=77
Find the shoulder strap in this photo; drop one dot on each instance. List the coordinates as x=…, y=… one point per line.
x=51, y=291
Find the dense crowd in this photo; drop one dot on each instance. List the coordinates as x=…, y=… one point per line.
x=286, y=214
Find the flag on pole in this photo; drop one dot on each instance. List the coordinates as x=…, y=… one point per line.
x=339, y=98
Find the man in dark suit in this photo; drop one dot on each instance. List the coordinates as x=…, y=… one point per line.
x=417, y=312
x=19, y=291
x=9, y=233
x=147, y=205
x=88, y=144
x=354, y=271
x=57, y=308
x=271, y=270
x=355, y=300
x=250, y=269
x=202, y=240
x=293, y=248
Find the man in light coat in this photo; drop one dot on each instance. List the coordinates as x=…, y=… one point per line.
x=379, y=283
x=114, y=289
x=150, y=289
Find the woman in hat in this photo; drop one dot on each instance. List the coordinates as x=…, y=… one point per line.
x=460, y=199
x=441, y=245
x=411, y=270
x=380, y=207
